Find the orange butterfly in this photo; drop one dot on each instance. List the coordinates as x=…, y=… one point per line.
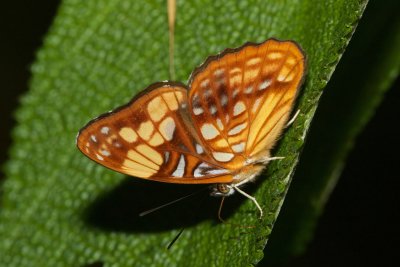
x=217, y=130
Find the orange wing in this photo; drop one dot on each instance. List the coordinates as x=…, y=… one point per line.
x=151, y=138
x=240, y=100
x=236, y=108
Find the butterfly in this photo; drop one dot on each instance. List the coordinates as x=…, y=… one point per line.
x=217, y=130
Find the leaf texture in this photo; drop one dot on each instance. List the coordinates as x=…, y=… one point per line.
x=60, y=209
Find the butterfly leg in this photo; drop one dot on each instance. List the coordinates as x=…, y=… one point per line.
x=265, y=160
x=293, y=118
x=273, y=158
x=249, y=197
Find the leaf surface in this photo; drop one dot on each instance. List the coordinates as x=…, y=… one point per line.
x=60, y=209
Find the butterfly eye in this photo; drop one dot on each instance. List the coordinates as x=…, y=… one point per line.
x=221, y=190
x=224, y=189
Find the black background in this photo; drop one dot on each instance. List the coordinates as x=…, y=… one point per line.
x=360, y=225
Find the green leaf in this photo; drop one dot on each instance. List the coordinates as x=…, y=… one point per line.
x=60, y=209
x=368, y=68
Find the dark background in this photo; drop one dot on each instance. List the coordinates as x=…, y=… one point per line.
x=360, y=225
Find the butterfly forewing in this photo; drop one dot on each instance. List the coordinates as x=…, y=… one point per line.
x=283, y=72
x=241, y=100
x=151, y=138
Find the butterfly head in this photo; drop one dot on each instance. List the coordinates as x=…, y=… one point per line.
x=221, y=190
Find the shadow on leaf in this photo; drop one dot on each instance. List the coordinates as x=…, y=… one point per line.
x=118, y=210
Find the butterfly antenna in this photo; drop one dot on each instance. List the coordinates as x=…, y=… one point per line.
x=233, y=224
x=220, y=209
x=175, y=238
x=169, y=203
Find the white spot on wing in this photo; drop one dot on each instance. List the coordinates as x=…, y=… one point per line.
x=94, y=139
x=237, y=129
x=99, y=157
x=209, y=131
x=105, y=130
x=256, y=104
x=217, y=171
x=205, y=169
x=219, y=72
x=198, y=111
x=249, y=89
x=116, y=144
x=205, y=83
x=180, y=169
x=199, y=149
x=238, y=147
x=197, y=172
x=167, y=128
x=239, y=108
x=204, y=166
x=222, y=156
x=224, y=100
x=213, y=109
x=105, y=152
x=264, y=85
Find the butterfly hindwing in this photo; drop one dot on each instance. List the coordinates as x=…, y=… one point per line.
x=151, y=138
